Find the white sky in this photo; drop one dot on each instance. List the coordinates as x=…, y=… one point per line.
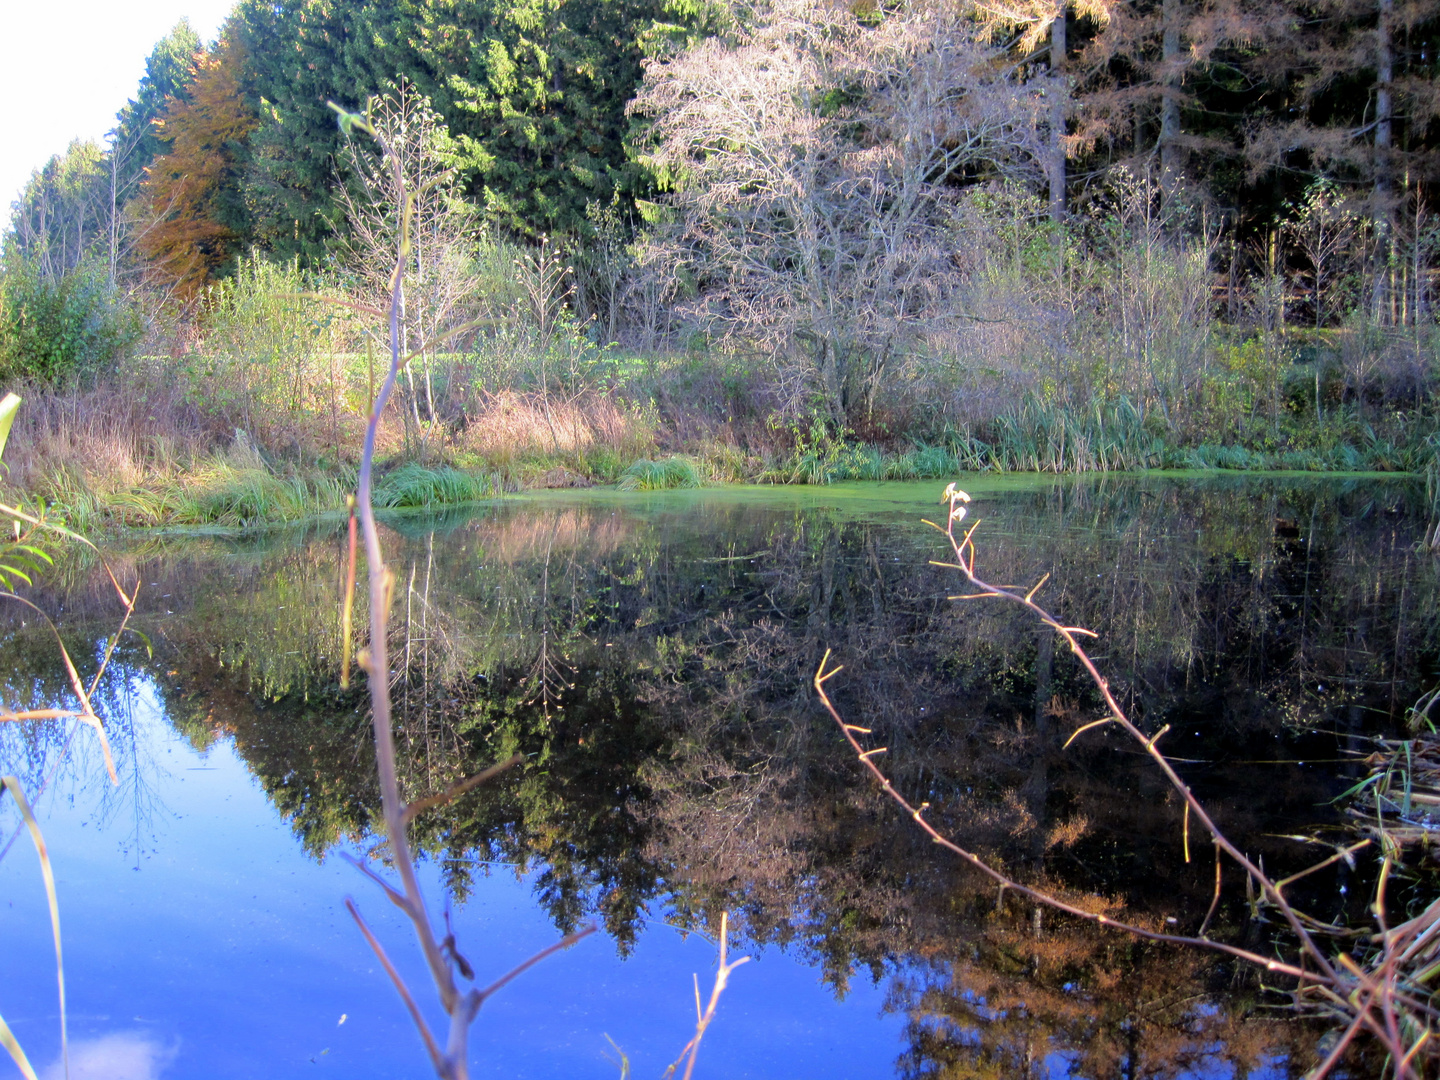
x=67, y=67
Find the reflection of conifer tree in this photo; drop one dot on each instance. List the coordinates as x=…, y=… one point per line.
x=682, y=765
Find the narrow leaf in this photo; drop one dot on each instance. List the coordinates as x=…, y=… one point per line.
x=9, y=406
x=8, y=1040
x=13, y=784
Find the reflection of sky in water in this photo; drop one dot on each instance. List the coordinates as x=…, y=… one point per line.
x=124, y=1056
x=201, y=942
x=227, y=953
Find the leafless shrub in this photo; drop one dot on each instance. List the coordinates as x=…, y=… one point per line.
x=441, y=280
x=1157, y=293
x=816, y=154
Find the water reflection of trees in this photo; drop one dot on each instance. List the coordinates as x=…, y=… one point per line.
x=655, y=674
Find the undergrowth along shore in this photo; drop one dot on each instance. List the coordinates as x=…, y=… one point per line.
x=239, y=487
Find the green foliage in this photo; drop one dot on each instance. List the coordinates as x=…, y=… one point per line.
x=63, y=211
x=540, y=94
x=22, y=553
x=822, y=452
x=9, y=407
x=136, y=143
x=671, y=472
x=272, y=356
x=54, y=330
x=415, y=485
x=534, y=92
x=1251, y=376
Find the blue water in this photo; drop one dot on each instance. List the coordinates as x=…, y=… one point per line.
x=200, y=942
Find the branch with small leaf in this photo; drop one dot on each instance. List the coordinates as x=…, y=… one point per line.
x=1386, y=997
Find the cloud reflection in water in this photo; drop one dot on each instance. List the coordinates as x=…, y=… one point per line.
x=129, y=1055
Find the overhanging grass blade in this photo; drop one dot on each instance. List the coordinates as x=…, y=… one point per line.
x=8, y=1040
x=9, y=406
x=13, y=785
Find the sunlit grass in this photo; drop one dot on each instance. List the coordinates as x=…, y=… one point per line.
x=419, y=486
x=670, y=472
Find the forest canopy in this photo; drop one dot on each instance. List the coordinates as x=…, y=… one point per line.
x=1248, y=103
x=1036, y=233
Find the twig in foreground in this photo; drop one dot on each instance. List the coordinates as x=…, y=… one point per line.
x=1355, y=993
x=702, y=1019
x=451, y=1060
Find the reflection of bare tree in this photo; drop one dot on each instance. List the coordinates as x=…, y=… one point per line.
x=549, y=675
x=51, y=756
x=657, y=681
x=1016, y=1000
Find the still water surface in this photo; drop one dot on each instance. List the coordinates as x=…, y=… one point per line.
x=650, y=655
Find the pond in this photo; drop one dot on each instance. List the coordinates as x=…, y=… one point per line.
x=650, y=656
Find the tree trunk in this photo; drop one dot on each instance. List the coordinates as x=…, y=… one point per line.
x=1172, y=163
x=1058, y=101
x=1384, y=165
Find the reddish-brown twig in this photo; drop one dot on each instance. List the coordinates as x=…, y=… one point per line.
x=1357, y=993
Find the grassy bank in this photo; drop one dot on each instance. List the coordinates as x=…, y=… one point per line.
x=251, y=406
x=106, y=462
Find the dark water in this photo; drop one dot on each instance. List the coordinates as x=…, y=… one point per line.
x=651, y=656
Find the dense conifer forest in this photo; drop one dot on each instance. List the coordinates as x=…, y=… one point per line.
x=662, y=242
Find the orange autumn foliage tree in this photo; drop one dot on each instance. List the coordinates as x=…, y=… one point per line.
x=192, y=191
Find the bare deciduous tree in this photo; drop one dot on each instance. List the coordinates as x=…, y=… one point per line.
x=817, y=154
x=440, y=278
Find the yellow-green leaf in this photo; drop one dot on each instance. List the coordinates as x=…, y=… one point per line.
x=9, y=406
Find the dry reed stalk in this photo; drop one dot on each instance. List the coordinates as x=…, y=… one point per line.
x=703, y=1018
x=1398, y=803
x=511, y=422
x=47, y=873
x=26, y=525
x=1381, y=998
x=449, y=1057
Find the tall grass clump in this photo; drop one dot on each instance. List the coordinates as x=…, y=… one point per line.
x=1046, y=436
x=662, y=475
x=415, y=485
x=921, y=463
x=226, y=494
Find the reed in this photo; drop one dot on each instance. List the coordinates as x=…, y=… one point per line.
x=47, y=874
x=1045, y=436
x=448, y=1054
